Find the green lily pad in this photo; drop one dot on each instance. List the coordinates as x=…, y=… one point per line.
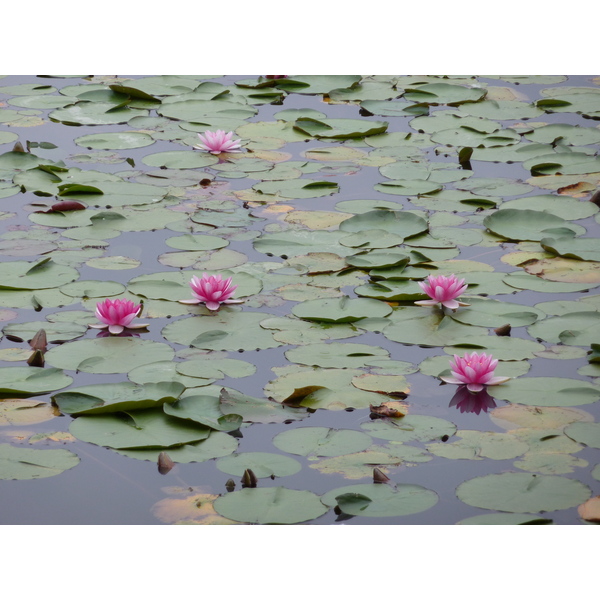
x=382, y=500
x=546, y=391
x=411, y=428
x=22, y=275
x=338, y=355
x=321, y=441
x=32, y=381
x=108, y=355
x=342, y=310
x=115, y=397
x=523, y=492
x=216, y=445
x=123, y=140
x=585, y=433
x=275, y=505
x=204, y=410
x=27, y=463
x=149, y=428
x=262, y=464
x=477, y=445
x=505, y=519
x=514, y=224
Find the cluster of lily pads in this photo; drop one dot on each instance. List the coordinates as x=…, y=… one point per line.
x=264, y=212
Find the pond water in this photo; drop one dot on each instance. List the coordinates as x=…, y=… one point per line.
x=408, y=176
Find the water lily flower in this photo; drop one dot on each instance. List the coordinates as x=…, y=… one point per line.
x=467, y=401
x=443, y=290
x=117, y=315
x=212, y=290
x=475, y=370
x=218, y=141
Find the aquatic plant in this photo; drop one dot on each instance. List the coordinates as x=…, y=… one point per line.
x=117, y=315
x=443, y=290
x=475, y=370
x=218, y=141
x=212, y=290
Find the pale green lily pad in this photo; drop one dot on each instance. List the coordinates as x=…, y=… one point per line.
x=549, y=463
x=116, y=397
x=297, y=188
x=275, y=505
x=444, y=93
x=301, y=242
x=505, y=519
x=546, y=391
x=501, y=347
x=343, y=310
x=94, y=113
x=123, y=140
x=108, y=355
x=338, y=355
x=572, y=329
x=584, y=248
x=262, y=464
x=204, y=410
x=359, y=465
x=208, y=367
x=560, y=206
x=28, y=463
x=392, y=291
x=522, y=492
x=585, y=433
x=55, y=332
x=31, y=381
x=537, y=417
x=425, y=326
x=92, y=289
x=158, y=372
x=381, y=500
x=225, y=330
x=411, y=428
x=216, y=445
x=22, y=275
x=493, y=313
x=321, y=441
x=149, y=428
x=526, y=224
x=180, y=159
x=403, y=224
x=525, y=281
x=477, y=445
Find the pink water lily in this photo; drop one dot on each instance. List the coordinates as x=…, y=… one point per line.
x=475, y=370
x=218, y=141
x=117, y=315
x=212, y=290
x=443, y=290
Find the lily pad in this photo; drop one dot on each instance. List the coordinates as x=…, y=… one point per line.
x=321, y=441
x=381, y=500
x=523, y=492
x=27, y=463
x=275, y=505
x=262, y=464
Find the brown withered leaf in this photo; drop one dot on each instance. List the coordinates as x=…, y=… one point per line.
x=576, y=190
x=393, y=410
x=590, y=510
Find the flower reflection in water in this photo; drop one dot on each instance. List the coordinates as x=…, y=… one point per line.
x=473, y=402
